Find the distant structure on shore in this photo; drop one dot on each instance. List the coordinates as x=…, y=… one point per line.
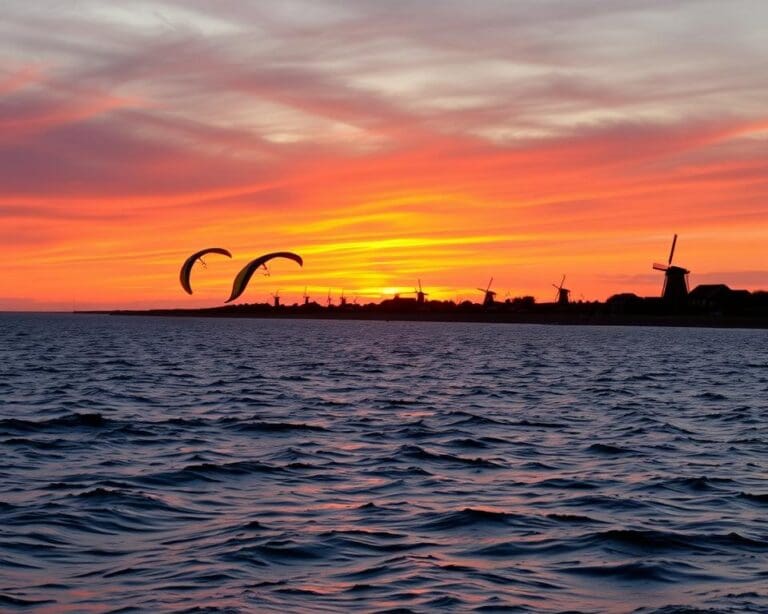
x=675, y=290
x=489, y=296
x=419, y=292
x=676, y=298
x=563, y=294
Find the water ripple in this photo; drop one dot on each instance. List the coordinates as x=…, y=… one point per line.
x=252, y=465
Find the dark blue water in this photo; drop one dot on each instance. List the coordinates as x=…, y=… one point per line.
x=252, y=465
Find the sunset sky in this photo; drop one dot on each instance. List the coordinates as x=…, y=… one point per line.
x=384, y=142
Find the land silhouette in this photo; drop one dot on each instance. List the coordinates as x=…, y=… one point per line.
x=714, y=305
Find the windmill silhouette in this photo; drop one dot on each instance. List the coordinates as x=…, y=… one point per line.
x=276, y=298
x=563, y=294
x=419, y=292
x=488, y=295
x=675, y=288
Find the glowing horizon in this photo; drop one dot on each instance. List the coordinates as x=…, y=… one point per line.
x=384, y=143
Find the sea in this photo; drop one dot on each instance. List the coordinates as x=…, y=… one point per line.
x=252, y=465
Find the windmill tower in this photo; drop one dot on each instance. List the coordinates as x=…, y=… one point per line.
x=276, y=299
x=420, y=294
x=488, y=295
x=675, y=289
x=563, y=294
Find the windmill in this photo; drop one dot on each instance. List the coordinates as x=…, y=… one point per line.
x=420, y=294
x=563, y=294
x=306, y=296
x=675, y=278
x=488, y=298
x=276, y=298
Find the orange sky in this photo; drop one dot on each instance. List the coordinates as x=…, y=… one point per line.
x=385, y=142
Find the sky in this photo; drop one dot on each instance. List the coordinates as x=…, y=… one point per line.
x=386, y=142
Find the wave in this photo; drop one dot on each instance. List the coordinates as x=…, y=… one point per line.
x=276, y=427
x=661, y=571
x=701, y=483
x=466, y=418
x=468, y=442
x=70, y=421
x=755, y=497
x=566, y=484
x=18, y=602
x=610, y=450
x=126, y=499
x=469, y=517
x=644, y=541
x=418, y=453
x=208, y=472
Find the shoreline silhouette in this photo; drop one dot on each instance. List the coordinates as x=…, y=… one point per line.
x=706, y=306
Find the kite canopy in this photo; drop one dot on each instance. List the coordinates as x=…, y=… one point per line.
x=245, y=274
x=186, y=268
